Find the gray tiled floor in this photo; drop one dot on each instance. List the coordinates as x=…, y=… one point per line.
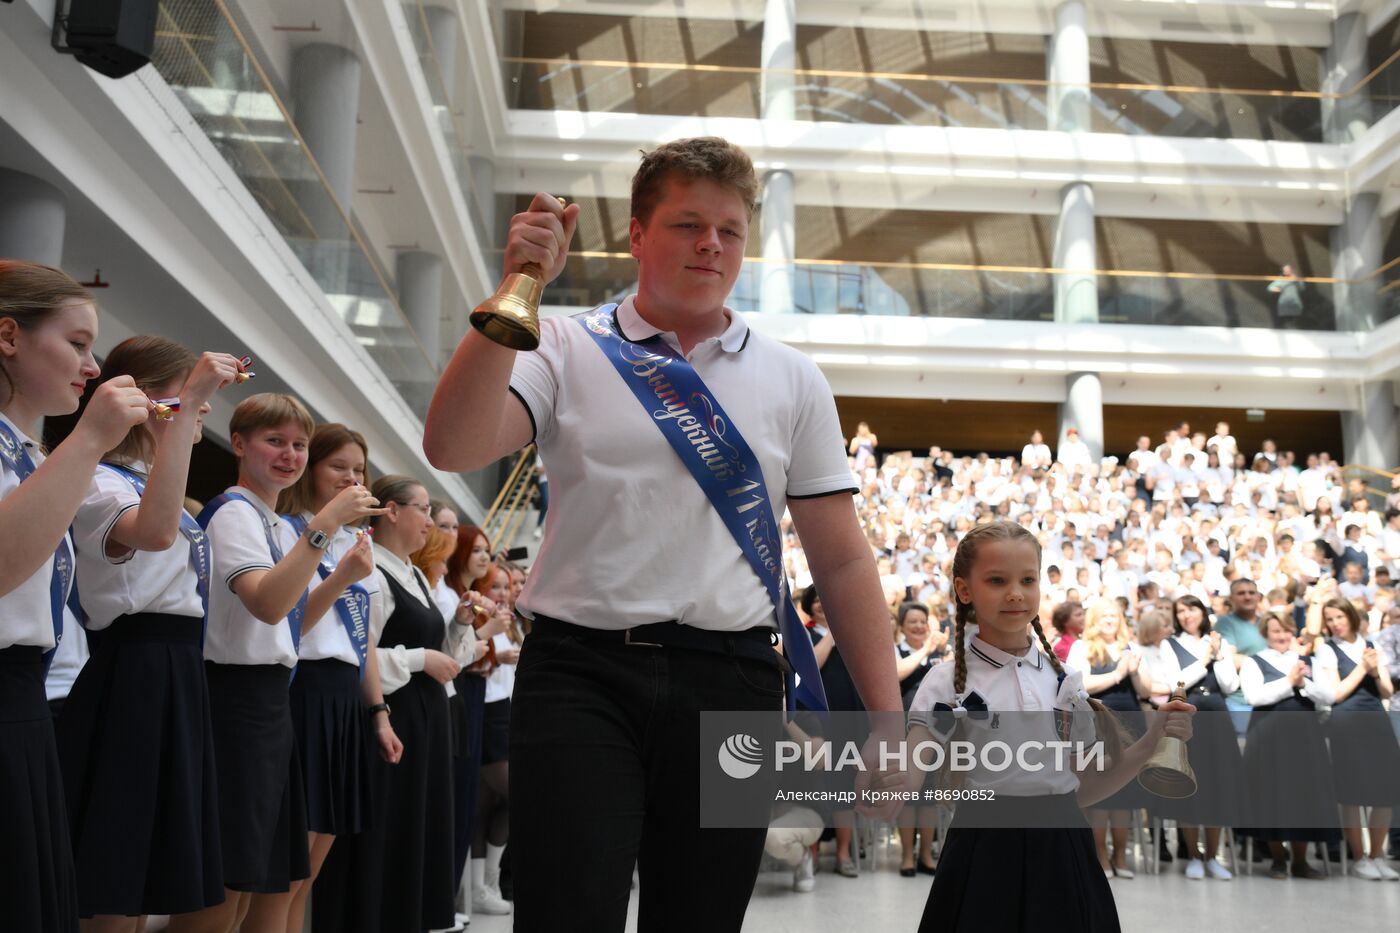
x=1168, y=903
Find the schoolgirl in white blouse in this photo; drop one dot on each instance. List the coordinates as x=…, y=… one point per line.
x=336, y=690
x=48, y=325
x=257, y=615
x=135, y=739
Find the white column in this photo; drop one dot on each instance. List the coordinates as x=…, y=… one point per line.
x=779, y=58
x=442, y=32
x=1067, y=69
x=1346, y=118
x=1076, y=288
x=32, y=218
x=419, y=275
x=1356, y=254
x=778, y=247
x=1370, y=433
x=1083, y=409
x=326, y=96
x=779, y=212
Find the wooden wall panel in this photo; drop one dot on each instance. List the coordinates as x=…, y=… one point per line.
x=967, y=427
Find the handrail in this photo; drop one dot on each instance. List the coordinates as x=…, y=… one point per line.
x=515, y=515
x=941, y=78
x=1369, y=469
x=527, y=455
x=1043, y=270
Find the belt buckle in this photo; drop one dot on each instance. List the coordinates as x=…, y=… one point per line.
x=627, y=640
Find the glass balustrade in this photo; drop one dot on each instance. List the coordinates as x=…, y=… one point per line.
x=202, y=55
x=1009, y=293
x=675, y=89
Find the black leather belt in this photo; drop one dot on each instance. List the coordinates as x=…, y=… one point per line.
x=755, y=643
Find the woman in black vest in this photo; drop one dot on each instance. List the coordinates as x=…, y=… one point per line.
x=414, y=837
x=919, y=648
x=1365, y=757
x=1285, y=753
x=1198, y=658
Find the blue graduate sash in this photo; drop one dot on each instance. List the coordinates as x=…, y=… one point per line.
x=726, y=468
x=294, y=618
x=200, y=556
x=352, y=605
x=62, y=587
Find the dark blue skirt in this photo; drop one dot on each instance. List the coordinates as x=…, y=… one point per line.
x=329, y=720
x=262, y=807
x=38, y=891
x=1041, y=880
x=137, y=750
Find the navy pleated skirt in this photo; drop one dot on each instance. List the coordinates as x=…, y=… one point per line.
x=137, y=751
x=1365, y=756
x=1041, y=880
x=38, y=890
x=262, y=805
x=329, y=721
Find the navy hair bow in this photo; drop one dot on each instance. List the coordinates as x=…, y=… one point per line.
x=945, y=716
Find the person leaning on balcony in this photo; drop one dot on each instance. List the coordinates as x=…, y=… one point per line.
x=645, y=606
x=1289, y=288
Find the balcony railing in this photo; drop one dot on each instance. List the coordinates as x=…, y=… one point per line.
x=201, y=53
x=891, y=98
x=988, y=292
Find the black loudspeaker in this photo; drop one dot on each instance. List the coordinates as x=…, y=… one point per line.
x=112, y=37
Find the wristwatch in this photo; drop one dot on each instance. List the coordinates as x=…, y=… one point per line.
x=377, y=708
x=317, y=539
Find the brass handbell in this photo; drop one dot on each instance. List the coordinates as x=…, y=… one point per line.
x=511, y=317
x=1168, y=772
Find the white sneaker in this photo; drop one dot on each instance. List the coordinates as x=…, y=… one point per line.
x=1387, y=873
x=1366, y=868
x=1195, y=869
x=488, y=900
x=1218, y=872
x=803, y=880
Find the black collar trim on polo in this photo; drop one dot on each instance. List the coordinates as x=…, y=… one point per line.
x=985, y=657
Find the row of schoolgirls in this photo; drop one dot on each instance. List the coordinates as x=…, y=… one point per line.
x=1298, y=775
x=264, y=679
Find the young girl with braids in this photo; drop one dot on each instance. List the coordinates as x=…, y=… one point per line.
x=1005, y=667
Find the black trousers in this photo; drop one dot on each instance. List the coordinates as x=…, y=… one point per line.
x=605, y=775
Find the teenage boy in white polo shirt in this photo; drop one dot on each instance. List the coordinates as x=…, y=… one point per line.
x=605, y=715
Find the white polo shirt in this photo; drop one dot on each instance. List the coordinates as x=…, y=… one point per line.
x=631, y=538
x=328, y=639
x=26, y=615
x=141, y=581
x=1010, y=684
x=238, y=535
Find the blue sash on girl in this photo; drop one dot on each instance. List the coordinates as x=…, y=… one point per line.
x=352, y=605
x=298, y=612
x=61, y=584
x=200, y=558
x=721, y=461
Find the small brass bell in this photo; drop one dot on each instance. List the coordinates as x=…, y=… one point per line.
x=1168, y=772
x=511, y=317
